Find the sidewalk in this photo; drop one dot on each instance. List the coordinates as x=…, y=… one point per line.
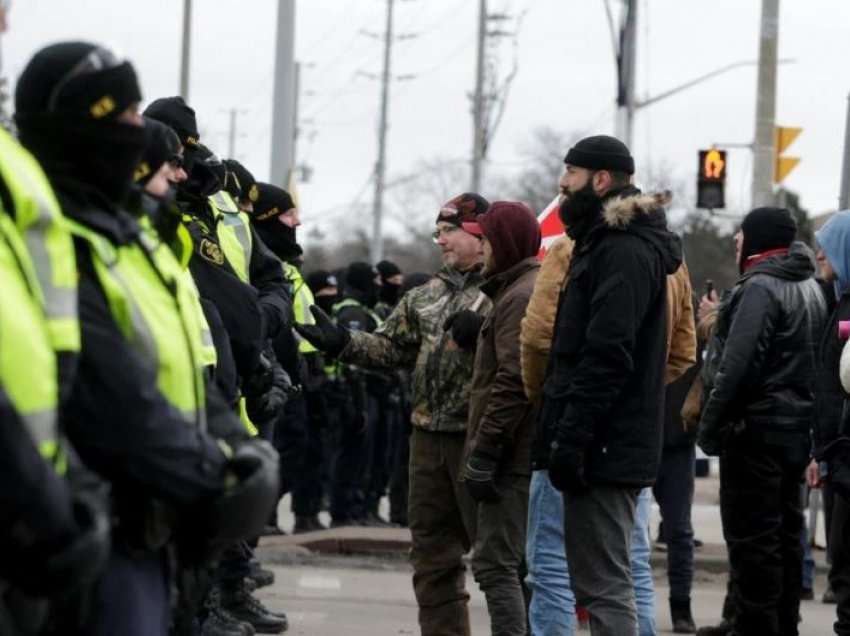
x=394, y=543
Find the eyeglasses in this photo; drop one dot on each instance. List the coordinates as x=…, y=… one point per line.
x=443, y=231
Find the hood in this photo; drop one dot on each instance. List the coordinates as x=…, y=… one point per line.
x=643, y=214
x=834, y=239
x=513, y=232
x=460, y=280
x=797, y=264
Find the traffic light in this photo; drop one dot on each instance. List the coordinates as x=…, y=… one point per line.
x=783, y=137
x=711, y=179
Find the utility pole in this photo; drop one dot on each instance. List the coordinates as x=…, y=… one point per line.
x=478, y=101
x=231, y=136
x=376, y=249
x=763, y=146
x=283, y=100
x=626, y=70
x=844, y=196
x=186, y=49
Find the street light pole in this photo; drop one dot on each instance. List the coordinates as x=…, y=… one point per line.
x=763, y=148
x=186, y=49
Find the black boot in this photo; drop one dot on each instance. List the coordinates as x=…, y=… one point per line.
x=680, y=614
x=723, y=629
x=219, y=622
x=244, y=607
x=260, y=575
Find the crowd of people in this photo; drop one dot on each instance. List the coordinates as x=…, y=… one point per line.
x=167, y=374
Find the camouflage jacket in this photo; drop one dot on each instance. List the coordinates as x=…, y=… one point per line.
x=412, y=337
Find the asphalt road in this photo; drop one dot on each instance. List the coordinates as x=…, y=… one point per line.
x=333, y=599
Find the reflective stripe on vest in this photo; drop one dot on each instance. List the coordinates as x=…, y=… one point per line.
x=234, y=233
x=350, y=302
x=209, y=356
x=49, y=245
x=28, y=373
x=301, y=302
x=154, y=309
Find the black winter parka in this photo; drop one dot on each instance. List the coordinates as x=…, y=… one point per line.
x=609, y=350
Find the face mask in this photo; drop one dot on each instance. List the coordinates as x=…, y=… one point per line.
x=390, y=293
x=326, y=303
x=100, y=154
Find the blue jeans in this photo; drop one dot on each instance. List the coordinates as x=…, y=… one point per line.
x=641, y=568
x=552, y=611
x=552, y=608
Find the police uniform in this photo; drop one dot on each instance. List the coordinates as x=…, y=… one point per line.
x=139, y=410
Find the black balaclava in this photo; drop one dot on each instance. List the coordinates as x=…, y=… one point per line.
x=205, y=179
x=319, y=280
x=360, y=278
x=67, y=103
x=389, y=292
x=161, y=145
x=279, y=238
x=766, y=229
x=175, y=113
x=239, y=182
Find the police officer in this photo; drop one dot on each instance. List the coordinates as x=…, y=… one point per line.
x=55, y=537
x=249, y=318
x=276, y=219
x=139, y=412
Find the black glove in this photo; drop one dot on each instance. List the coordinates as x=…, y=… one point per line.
x=250, y=494
x=566, y=459
x=80, y=560
x=324, y=335
x=481, y=477
x=464, y=326
x=266, y=391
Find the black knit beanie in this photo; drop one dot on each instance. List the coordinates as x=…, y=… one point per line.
x=174, y=112
x=76, y=79
x=387, y=269
x=270, y=202
x=361, y=276
x=766, y=229
x=161, y=145
x=601, y=152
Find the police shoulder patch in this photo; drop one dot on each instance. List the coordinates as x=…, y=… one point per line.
x=210, y=251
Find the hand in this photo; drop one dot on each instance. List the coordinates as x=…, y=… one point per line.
x=464, y=326
x=324, y=335
x=480, y=478
x=707, y=304
x=567, y=460
x=813, y=475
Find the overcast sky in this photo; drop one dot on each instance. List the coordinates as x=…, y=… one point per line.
x=566, y=80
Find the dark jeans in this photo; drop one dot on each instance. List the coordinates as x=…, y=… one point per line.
x=674, y=492
x=400, y=480
x=350, y=476
x=839, y=573
x=290, y=435
x=762, y=518
x=498, y=555
x=597, y=539
x=441, y=513
x=379, y=461
x=132, y=598
x=307, y=491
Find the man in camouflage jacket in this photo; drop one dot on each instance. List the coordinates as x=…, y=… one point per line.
x=430, y=333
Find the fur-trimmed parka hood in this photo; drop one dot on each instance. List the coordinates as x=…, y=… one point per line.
x=631, y=210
